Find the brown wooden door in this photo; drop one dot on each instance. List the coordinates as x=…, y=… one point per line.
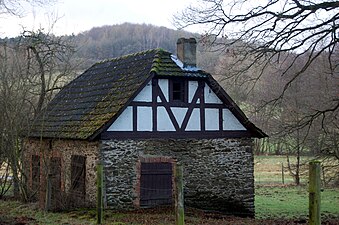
x=55, y=176
x=78, y=180
x=35, y=175
x=155, y=184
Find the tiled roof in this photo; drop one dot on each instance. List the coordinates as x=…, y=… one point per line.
x=87, y=103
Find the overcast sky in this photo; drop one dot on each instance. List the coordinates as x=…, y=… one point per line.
x=80, y=15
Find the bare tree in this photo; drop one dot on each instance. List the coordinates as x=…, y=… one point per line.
x=48, y=63
x=275, y=32
x=13, y=108
x=32, y=68
x=15, y=7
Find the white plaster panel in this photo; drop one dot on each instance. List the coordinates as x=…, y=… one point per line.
x=192, y=88
x=145, y=95
x=179, y=114
x=194, y=121
x=210, y=96
x=144, y=119
x=124, y=122
x=163, y=84
x=230, y=122
x=164, y=122
x=212, y=119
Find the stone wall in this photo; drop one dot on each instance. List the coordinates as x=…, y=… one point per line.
x=218, y=173
x=64, y=149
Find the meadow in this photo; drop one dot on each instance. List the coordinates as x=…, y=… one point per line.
x=276, y=196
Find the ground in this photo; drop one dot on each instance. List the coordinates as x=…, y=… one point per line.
x=276, y=203
x=164, y=216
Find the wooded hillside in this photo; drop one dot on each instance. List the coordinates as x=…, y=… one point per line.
x=105, y=42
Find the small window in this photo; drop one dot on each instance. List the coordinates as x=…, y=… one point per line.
x=178, y=91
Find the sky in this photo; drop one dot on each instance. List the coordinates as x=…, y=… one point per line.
x=75, y=16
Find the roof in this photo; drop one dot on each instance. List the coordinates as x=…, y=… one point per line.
x=84, y=107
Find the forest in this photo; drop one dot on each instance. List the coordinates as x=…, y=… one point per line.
x=300, y=117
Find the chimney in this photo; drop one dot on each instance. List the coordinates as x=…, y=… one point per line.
x=187, y=51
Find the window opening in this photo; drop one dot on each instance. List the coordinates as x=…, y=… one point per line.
x=178, y=91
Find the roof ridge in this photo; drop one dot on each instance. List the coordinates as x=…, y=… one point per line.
x=155, y=50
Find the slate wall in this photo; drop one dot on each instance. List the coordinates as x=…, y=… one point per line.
x=64, y=149
x=218, y=173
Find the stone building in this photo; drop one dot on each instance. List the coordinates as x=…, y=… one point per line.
x=141, y=114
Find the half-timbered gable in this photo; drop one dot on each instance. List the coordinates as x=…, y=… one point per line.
x=141, y=114
x=177, y=106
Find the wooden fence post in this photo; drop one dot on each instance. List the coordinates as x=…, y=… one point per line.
x=179, y=196
x=282, y=173
x=99, y=192
x=314, y=193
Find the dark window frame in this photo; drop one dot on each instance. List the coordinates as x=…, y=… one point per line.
x=178, y=90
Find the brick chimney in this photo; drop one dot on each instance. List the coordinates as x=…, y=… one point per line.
x=187, y=51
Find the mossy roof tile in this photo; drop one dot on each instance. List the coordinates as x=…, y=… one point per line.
x=84, y=107
x=88, y=102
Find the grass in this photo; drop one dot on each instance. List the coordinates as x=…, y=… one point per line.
x=292, y=202
x=29, y=213
x=274, y=199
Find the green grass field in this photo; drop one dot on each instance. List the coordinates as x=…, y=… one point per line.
x=275, y=199
x=292, y=202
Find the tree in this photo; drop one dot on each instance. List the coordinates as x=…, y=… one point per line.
x=14, y=7
x=32, y=68
x=13, y=108
x=273, y=32
x=48, y=62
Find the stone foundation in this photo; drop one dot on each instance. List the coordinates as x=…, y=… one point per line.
x=218, y=173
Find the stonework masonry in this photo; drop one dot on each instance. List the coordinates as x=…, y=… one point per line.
x=64, y=149
x=218, y=173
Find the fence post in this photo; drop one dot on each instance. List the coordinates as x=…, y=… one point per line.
x=179, y=195
x=282, y=173
x=314, y=193
x=99, y=192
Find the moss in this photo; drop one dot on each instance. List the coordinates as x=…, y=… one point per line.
x=91, y=100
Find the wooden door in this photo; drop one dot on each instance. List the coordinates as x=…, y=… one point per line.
x=55, y=179
x=35, y=176
x=155, y=184
x=78, y=180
